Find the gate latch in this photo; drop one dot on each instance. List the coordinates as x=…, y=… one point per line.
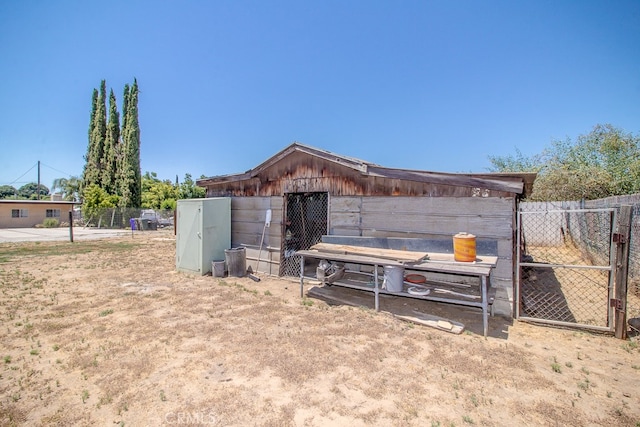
x=619, y=238
x=615, y=303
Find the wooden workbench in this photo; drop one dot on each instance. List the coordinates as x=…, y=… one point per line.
x=476, y=295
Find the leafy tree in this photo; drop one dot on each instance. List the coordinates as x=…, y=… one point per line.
x=169, y=204
x=69, y=187
x=571, y=184
x=111, y=148
x=189, y=189
x=95, y=199
x=602, y=163
x=516, y=163
x=131, y=177
x=157, y=194
x=98, y=132
x=31, y=191
x=7, y=191
x=163, y=194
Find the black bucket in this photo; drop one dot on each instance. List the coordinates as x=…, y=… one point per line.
x=236, y=259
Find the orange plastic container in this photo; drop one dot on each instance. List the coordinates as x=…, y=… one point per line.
x=464, y=247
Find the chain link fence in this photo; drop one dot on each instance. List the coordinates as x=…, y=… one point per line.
x=306, y=223
x=589, y=234
x=120, y=218
x=565, y=265
x=633, y=278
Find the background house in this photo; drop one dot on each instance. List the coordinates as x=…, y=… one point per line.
x=29, y=213
x=313, y=192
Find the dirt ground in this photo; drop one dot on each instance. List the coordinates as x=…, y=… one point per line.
x=108, y=333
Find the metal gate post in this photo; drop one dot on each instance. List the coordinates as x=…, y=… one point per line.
x=516, y=293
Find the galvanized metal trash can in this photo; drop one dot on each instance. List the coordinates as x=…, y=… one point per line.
x=236, y=259
x=217, y=268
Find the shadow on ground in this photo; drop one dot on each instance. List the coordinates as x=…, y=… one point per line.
x=470, y=317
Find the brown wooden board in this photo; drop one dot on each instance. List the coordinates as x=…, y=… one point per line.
x=433, y=322
x=393, y=254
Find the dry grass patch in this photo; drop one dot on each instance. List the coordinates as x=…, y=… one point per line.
x=104, y=333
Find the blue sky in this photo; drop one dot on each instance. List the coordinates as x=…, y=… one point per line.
x=224, y=85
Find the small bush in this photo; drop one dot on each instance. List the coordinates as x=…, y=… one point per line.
x=51, y=223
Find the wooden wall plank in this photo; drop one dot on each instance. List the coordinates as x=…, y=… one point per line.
x=344, y=215
x=344, y=231
x=341, y=219
x=248, y=216
x=450, y=205
x=493, y=228
x=250, y=203
x=345, y=204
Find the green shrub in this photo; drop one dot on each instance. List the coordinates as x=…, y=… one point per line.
x=50, y=223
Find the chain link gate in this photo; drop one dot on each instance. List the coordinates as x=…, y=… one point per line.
x=633, y=284
x=305, y=223
x=565, y=270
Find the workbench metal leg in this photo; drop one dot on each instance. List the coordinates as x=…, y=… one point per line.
x=485, y=306
x=376, y=290
x=301, y=276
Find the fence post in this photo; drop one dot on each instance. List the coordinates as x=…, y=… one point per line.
x=71, y=225
x=621, y=271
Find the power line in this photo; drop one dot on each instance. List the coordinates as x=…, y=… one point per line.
x=16, y=180
x=57, y=170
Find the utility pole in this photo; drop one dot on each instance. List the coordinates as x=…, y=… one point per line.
x=38, y=187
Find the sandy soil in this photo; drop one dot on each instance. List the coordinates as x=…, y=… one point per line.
x=108, y=333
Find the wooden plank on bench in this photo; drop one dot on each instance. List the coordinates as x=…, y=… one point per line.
x=392, y=254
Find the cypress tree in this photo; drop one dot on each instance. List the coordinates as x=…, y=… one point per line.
x=125, y=106
x=121, y=187
x=131, y=176
x=109, y=159
x=93, y=168
x=134, y=129
x=87, y=172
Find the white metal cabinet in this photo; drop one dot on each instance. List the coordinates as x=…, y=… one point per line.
x=203, y=233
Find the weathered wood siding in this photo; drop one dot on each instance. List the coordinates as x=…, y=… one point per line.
x=489, y=218
x=409, y=217
x=369, y=205
x=247, y=225
x=300, y=173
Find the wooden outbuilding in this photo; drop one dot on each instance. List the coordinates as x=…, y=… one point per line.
x=313, y=193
